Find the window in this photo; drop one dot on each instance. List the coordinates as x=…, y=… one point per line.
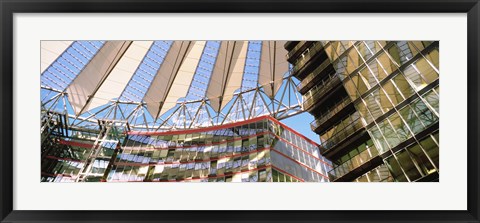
x=395, y=169
x=383, y=65
x=421, y=159
x=430, y=146
x=403, y=86
x=433, y=99
x=408, y=165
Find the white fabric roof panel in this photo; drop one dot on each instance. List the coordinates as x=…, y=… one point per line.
x=228, y=73
x=161, y=84
x=183, y=79
x=118, y=79
x=50, y=51
x=236, y=74
x=273, y=65
x=108, y=73
x=89, y=80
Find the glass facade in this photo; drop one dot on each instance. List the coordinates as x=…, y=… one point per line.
x=394, y=89
x=258, y=150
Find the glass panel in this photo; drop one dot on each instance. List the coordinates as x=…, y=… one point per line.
x=364, y=51
x=402, y=129
x=395, y=169
x=425, y=115
x=372, y=104
x=362, y=109
x=377, y=137
x=421, y=158
x=426, y=70
x=389, y=133
x=393, y=93
x=353, y=61
x=352, y=89
x=433, y=57
x=403, y=86
x=388, y=66
x=433, y=100
x=383, y=100
x=370, y=80
x=412, y=119
x=408, y=166
x=431, y=148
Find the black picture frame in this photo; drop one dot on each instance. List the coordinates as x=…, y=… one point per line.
x=9, y=7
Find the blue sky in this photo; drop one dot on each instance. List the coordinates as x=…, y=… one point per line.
x=301, y=123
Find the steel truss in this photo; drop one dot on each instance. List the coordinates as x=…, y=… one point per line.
x=186, y=114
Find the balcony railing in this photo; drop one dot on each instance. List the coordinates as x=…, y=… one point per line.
x=379, y=174
x=330, y=112
x=353, y=163
x=319, y=90
x=313, y=50
x=344, y=133
x=313, y=74
x=296, y=49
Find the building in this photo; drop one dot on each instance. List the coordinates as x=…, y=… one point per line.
x=210, y=110
x=261, y=149
x=376, y=106
x=95, y=94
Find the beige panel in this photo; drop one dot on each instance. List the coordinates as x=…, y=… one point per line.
x=237, y=70
x=183, y=79
x=118, y=79
x=265, y=69
x=228, y=73
x=163, y=81
x=220, y=73
x=95, y=72
x=273, y=65
x=50, y=51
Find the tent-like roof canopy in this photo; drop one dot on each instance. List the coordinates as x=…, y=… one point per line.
x=154, y=79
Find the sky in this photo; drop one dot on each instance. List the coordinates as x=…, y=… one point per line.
x=301, y=124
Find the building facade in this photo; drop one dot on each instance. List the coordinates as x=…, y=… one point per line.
x=376, y=106
x=258, y=150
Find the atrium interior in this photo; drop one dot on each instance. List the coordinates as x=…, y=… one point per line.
x=213, y=111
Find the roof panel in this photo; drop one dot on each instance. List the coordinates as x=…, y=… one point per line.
x=86, y=83
x=120, y=76
x=184, y=77
x=50, y=51
x=161, y=84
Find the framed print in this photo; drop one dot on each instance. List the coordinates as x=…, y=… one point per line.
x=240, y=111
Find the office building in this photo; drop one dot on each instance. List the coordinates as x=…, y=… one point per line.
x=257, y=150
x=376, y=106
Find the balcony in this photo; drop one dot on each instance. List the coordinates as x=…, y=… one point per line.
x=356, y=166
x=290, y=44
x=313, y=96
x=310, y=79
x=343, y=134
x=307, y=56
x=327, y=116
x=293, y=54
